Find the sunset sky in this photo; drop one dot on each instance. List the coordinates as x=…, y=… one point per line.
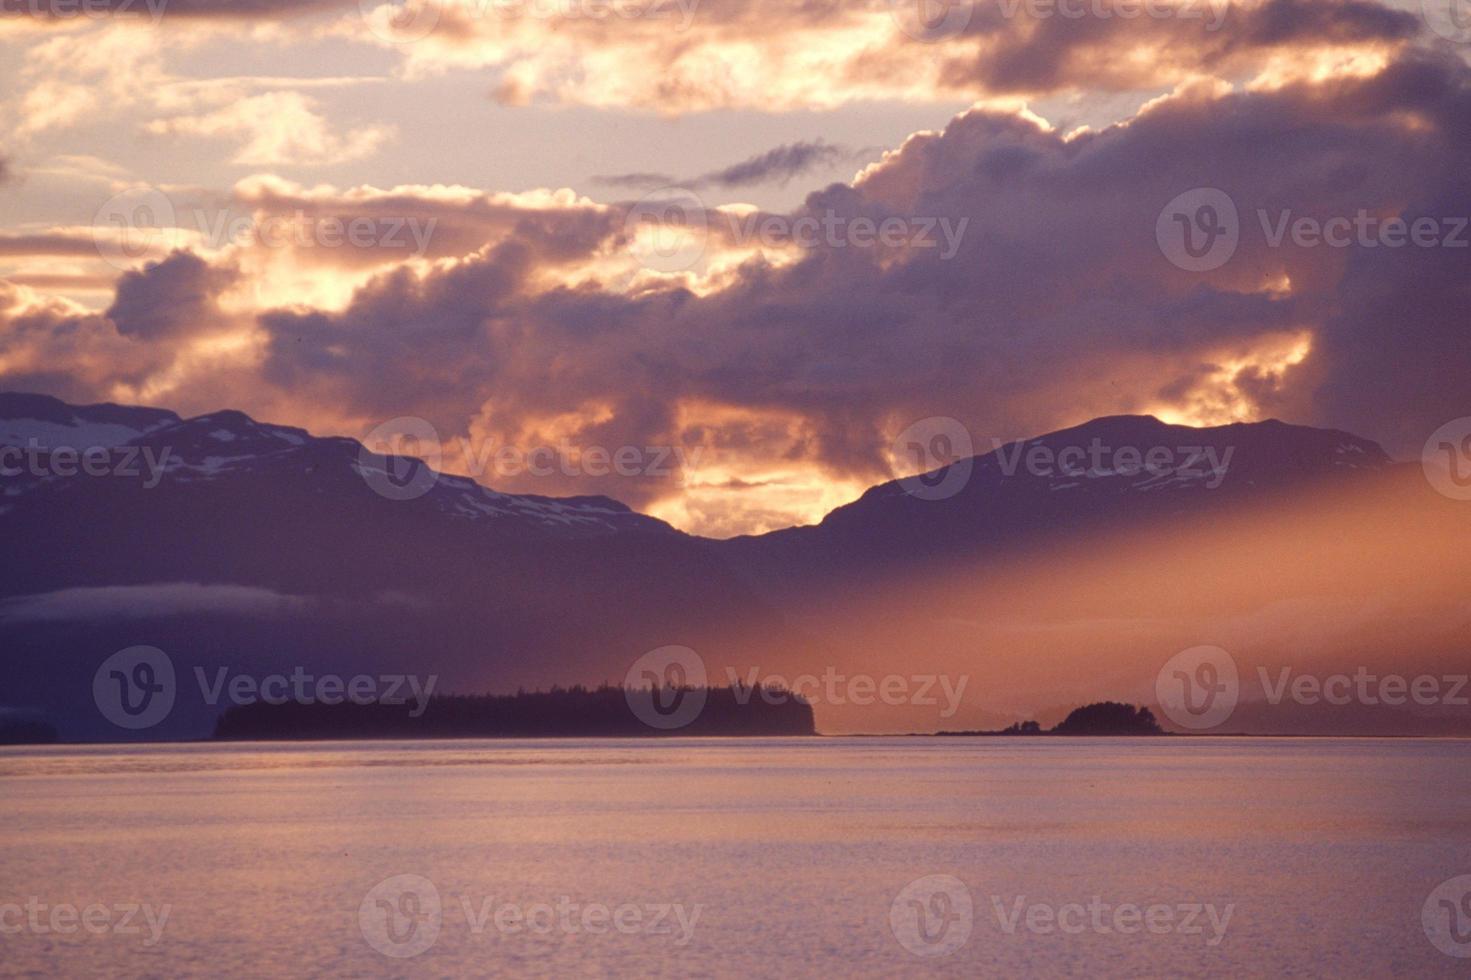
x=540, y=307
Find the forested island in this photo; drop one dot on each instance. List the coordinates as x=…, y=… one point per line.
x=1102, y=718
x=600, y=712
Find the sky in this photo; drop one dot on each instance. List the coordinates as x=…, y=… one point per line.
x=750, y=244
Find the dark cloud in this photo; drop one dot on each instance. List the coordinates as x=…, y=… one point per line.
x=1057, y=304
x=1037, y=55
x=778, y=165
x=638, y=181
x=775, y=166
x=171, y=298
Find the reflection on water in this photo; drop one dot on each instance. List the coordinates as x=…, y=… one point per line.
x=1032, y=857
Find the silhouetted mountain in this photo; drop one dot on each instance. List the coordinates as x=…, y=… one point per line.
x=1006, y=502
x=258, y=548
x=261, y=548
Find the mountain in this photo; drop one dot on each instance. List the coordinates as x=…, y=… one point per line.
x=1055, y=485
x=1065, y=568
x=259, y=548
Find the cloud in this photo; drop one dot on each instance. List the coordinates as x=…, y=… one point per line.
x=278, y=128
x=530, y=322
x=169, y=298
x=775, y=166
x=778, y=165
x=768, y=55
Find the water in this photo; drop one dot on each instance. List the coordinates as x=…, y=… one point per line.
x=768, y=858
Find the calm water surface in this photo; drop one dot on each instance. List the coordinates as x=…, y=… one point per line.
x=753, y=858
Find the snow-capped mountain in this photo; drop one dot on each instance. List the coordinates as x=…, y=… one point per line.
x=230, y=447
x=238, y=545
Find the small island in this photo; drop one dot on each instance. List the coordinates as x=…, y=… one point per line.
x=26, y=731
x=1102, y=718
